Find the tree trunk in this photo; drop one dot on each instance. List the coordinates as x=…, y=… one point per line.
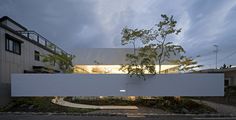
x=159, y=62
x=162, y=51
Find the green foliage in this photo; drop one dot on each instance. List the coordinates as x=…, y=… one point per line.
x=168, y=49
x=133, y=68
x=187, y=64
x=148, y=58
x=131, y=35
x=170, y=104
x=165, y=28
x=104, y=101
x=154, y=46
x=62, y=60
x=38, y=104
x=141, y=61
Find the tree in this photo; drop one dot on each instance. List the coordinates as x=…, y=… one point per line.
x=225, y=66
x=165, y=28
x=140, y=61
x=148, y=58
x=166, y=51
x=131, y=36
x=155, y=40
x=187, y=64
x=63, y=60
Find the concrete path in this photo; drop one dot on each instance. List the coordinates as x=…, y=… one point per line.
x=140, y=111
x=220, y=108
x=61, y=102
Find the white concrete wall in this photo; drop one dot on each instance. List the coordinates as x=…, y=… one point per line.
x=12, y=25
x=111, y=84
x=14, y=63
x=106, y=56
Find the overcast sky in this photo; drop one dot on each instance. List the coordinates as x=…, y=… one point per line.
x=73, y=24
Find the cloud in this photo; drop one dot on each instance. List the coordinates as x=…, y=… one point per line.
x=208, y=26
x=73, y=24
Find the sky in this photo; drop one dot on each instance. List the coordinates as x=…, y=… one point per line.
x=73, y=24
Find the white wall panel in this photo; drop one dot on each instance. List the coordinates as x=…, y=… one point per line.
x=111, y=84
x=107, y=56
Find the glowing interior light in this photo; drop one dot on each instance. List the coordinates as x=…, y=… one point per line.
x=115, y=69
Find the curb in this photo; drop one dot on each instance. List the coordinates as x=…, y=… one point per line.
x=192, y=115
x=50, y=113
x=117, y=114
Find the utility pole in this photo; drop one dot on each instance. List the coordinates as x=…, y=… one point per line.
x=216, y=46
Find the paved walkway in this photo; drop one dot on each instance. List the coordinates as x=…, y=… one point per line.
x=220, y=108
x=140, y=111
x=61, y=102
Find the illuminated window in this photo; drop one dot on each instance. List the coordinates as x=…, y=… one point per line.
x=115, y=69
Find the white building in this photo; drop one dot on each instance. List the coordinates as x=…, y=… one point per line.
x=109, y=61
x=20, y=52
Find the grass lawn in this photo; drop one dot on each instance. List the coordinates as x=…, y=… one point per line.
x=38, y=104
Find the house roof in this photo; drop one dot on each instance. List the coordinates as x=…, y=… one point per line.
x=11, y=20
x=27, y=38
x=218, y=70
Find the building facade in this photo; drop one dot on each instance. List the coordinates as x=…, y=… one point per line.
x=109, y=61
x=229, y=75
x=21, y=51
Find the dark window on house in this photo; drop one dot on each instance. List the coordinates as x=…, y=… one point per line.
x=36, y=55
x=226, y=82
x=12, y=44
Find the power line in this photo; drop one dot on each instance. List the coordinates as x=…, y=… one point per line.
x=227, y=56
x=234, y=52
x=206, y=57
x=202, y=55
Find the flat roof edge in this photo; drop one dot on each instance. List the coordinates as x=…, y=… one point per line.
x=16, y=23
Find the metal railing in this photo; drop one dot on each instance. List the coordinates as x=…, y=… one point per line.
x=34, y=36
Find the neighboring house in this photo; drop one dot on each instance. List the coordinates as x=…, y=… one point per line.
x=21, y=51
x=229, y=73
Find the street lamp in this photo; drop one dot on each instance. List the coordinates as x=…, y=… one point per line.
x=216, y=50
